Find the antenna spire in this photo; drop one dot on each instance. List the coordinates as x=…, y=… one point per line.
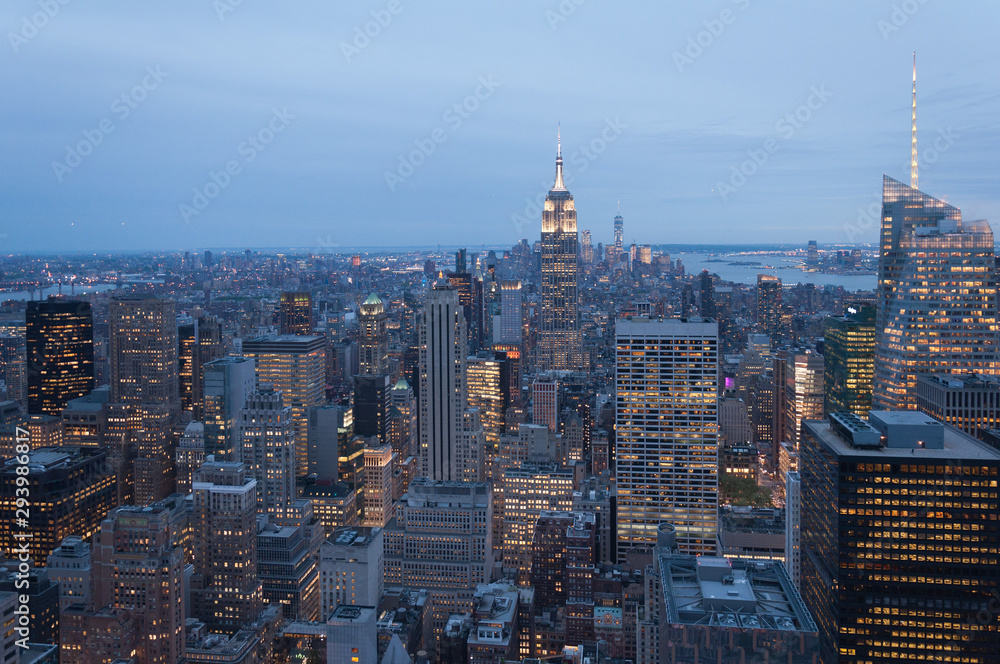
x=559, y=186
x=913, y=137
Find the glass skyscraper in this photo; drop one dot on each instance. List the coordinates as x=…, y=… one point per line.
x=59, y=340
x=848, y=358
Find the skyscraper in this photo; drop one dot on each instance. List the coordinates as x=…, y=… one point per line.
x=849, y=360
x=667, y=432
x=936, y=310
x=769, y=305
x=228, y=383
x=586, y=249
x=511, y=330
x=488, y=388
x=295, y=313
x=200, y=342
x=59, y=340
x=296, y=366
x=899, y=539
x=619, y=233
x=268, y=448
x=803, y=393
x=560, y=342
x=373, y=345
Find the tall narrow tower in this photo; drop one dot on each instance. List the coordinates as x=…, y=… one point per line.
x=619, y=230
x=913, y=129
x=560, y=344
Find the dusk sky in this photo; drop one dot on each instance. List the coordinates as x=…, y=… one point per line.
x=120, y=119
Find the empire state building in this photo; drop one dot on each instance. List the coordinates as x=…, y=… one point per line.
x=560, y=342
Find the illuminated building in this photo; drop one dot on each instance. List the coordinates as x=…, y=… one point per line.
x=619, y=229
x=488, y=387
x=899, y=539
x=225, y=588
x=69, y=566
x=334, y=503
x=529, y=489
x=667, y=432
x=849, y=360
x=769, y=305
x=793, y=526
x=403, y=420
x=288, y=543
x=586, y=248
x=373, y=344
x=70, y=489
x=511, y=326
x=379, y=505
x=936, y=310
x=228, y=383
x=295, y=314
x=59, y=342
x=189, y=456
x=200, y=342
x=104, y=635
x=350, y=568
x=268, y=448
x=138, y=567
x=968, y=402
x=545, y=401
x=85, y=419
x=560, y=341
x=562, y=569
x=296, y=366
x=441, y=540
x=450, y=446
x=803, y=393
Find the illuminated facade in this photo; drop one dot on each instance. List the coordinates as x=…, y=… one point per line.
x=489, y=391
x=545, y=401
x=228, y=383
x=968, y=402
x=59, y=341
x=267, y=448
x=373, y=344
x=511, y=326
x=937, y=295
x=849, y=360
x=295, y=365
x=666, y=425
x=295, y=314
x=379, y=505
x=528, y=490
x=769, y=305
x=900, y=539
x=560, y=341
x=803, y=393
x=143, y=352
x=200, y=342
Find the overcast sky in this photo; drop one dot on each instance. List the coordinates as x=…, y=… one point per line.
x=120, y=119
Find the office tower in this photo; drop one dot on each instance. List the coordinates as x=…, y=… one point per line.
x=379, y=505
x=545, y=401
x=594, y=497
x=104, y=635
x=138, y=567
x=228, y=383
x=619, y=233
x=59, y=342
x=225, y=588
x=666, y=430
x=69, y=566
x=461, y=264
x=373, y=343
x=707, y=308
x=267, y=444
x=899, y=549
x=560, y=342
x=69, y=491
x=769, y=305
x=13, y=360
x=371, y=405
x=199, y=342
x=288, y=543
x=562, y=569
x=351, y=635
x=803, y=393
x=189, y=456
x=927, y=319
x=294, y=365
x=208, y=259
x=488, y=380
x=511, y=329
x=447, y=450
x=812, y=254
x=144, y=395
x=586, y=249
x=350, y=568
x=793, y=526
x=849, y=360
x=968, y=402
x=465, y=284
x=722, y=610
x=403, y=420
x=330, y=429
x=442, y=541
x=529, y=488
x=296, y=314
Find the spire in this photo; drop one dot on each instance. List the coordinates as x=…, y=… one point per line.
x=559, y=186
x=913, y=138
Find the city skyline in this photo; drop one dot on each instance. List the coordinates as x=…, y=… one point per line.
x=326, y=167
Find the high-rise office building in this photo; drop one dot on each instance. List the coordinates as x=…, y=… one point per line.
x=511, y=330
x=936, y=309
x=666, y=426
x=448, y=450
x=803, y=393
x=899, y=539
x=379, y=503
x=59, y=341
x=769, y=305
x=225, y=588
x=350, y=568
x=403, y=420
x=296, y=314
x=199, y=342
x=619, y=233
x=373, y=343
x=968, y=402
x=849, y=360
x=528, y=489
x=296, y=366
x=228, y=383
x=371, y=405
x=351, y=635
x=143, y=354
x=189, y=455
x=545, y=401
x=586, y=249
x=288, y=544
x=488, y=390
x=267, y=448
x=560, y=341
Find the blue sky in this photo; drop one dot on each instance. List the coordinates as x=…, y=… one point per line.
x=199, y=124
